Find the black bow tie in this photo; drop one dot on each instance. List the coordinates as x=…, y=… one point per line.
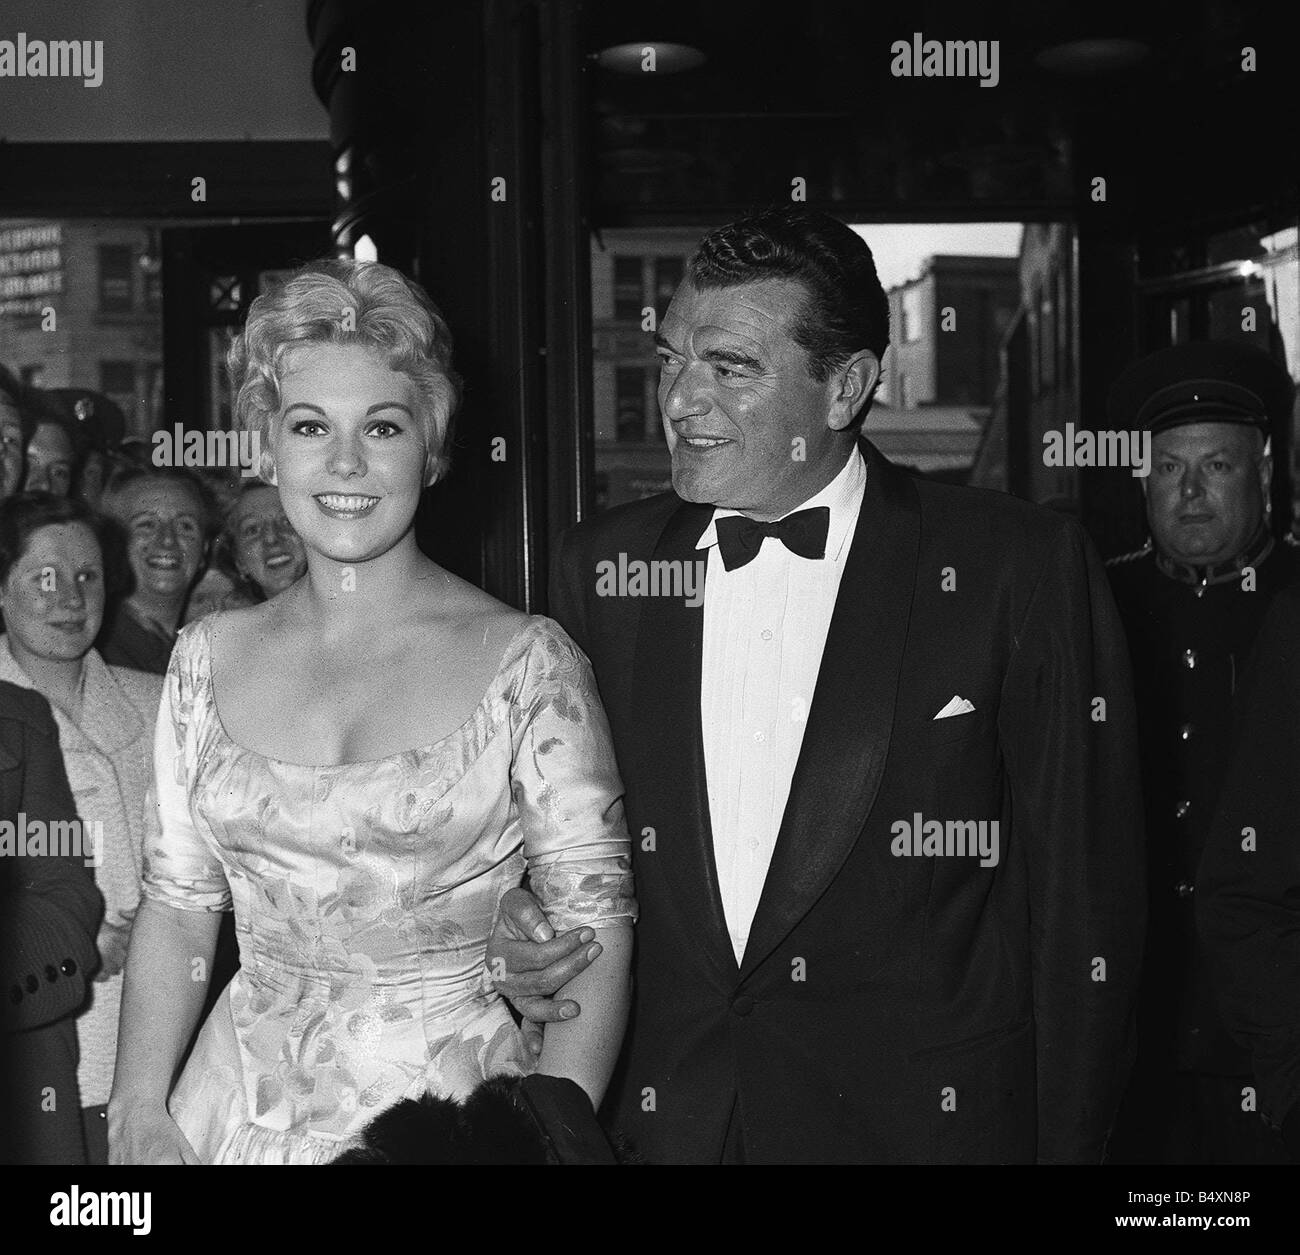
x=803, y=532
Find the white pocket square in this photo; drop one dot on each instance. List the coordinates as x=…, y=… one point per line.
x=956, y=706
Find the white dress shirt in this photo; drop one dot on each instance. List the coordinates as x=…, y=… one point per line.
x=765, y=626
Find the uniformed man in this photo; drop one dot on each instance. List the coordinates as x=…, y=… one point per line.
x=1193, y=599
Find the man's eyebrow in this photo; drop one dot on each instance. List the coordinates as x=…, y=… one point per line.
x=732, y=357
x=661, y=342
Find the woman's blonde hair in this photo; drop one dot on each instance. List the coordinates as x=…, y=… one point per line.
x=346, y=303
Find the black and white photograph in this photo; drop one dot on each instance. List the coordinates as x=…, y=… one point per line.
x=586, y=582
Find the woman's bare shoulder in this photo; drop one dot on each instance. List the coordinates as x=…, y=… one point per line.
x=463, y=606
x=235, y=632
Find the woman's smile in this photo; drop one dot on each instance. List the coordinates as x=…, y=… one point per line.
x=341, y=505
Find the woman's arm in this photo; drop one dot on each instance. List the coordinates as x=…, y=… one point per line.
x=168, y=969
x=585, y=1049
x=173, y=939
x=566, y=787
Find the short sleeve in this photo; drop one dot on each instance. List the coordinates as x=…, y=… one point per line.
x=180, y=870
x=567, y=789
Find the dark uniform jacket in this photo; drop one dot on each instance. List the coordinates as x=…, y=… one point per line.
x=1249, y=893
x=1190, y=633
x=51, y=912
x=888, y=1009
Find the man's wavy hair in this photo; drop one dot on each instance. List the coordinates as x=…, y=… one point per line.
x=846, y=310
x=389, y=313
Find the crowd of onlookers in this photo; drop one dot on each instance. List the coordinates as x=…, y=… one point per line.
x=104, y=556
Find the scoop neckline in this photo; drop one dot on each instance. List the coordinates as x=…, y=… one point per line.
x=530, y=622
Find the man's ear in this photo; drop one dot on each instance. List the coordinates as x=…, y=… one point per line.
x=855, y=381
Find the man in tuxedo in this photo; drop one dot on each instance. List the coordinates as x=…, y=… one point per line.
x=881, y=778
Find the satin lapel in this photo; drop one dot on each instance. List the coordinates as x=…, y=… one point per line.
x=847, y=738
x=671, y=790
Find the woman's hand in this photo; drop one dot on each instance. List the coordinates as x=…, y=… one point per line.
x=112, y=943
x=147, y=1137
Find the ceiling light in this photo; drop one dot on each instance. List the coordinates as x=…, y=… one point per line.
x=649, y=56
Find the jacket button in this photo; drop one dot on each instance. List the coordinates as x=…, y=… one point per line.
x=32, y=983
x=51, y=973
x=1189, y=658
x=1184, y=889
x=15, y=995
x=743, y=1004
x=68, y=967
x=1185, y=732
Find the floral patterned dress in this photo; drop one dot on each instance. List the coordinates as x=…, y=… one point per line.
x=364, y=895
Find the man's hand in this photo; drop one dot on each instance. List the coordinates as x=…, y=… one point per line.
x=112, y=943
x=528, y=963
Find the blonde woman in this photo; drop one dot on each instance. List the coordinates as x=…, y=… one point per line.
x=361, y=767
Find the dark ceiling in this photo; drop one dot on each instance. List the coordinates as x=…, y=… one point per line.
x=805, y=90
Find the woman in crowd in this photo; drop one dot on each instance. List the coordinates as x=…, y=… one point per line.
x=52, y=596
x=268, y=553
x=165, y=519
x=361, y=765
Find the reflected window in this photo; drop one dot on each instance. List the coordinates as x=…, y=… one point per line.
x=629, y=297
x=912, y=308
x=116, y=280
x=630, y=398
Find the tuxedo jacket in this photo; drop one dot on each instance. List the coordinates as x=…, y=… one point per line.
x=50, y=912
x=890, y=1007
